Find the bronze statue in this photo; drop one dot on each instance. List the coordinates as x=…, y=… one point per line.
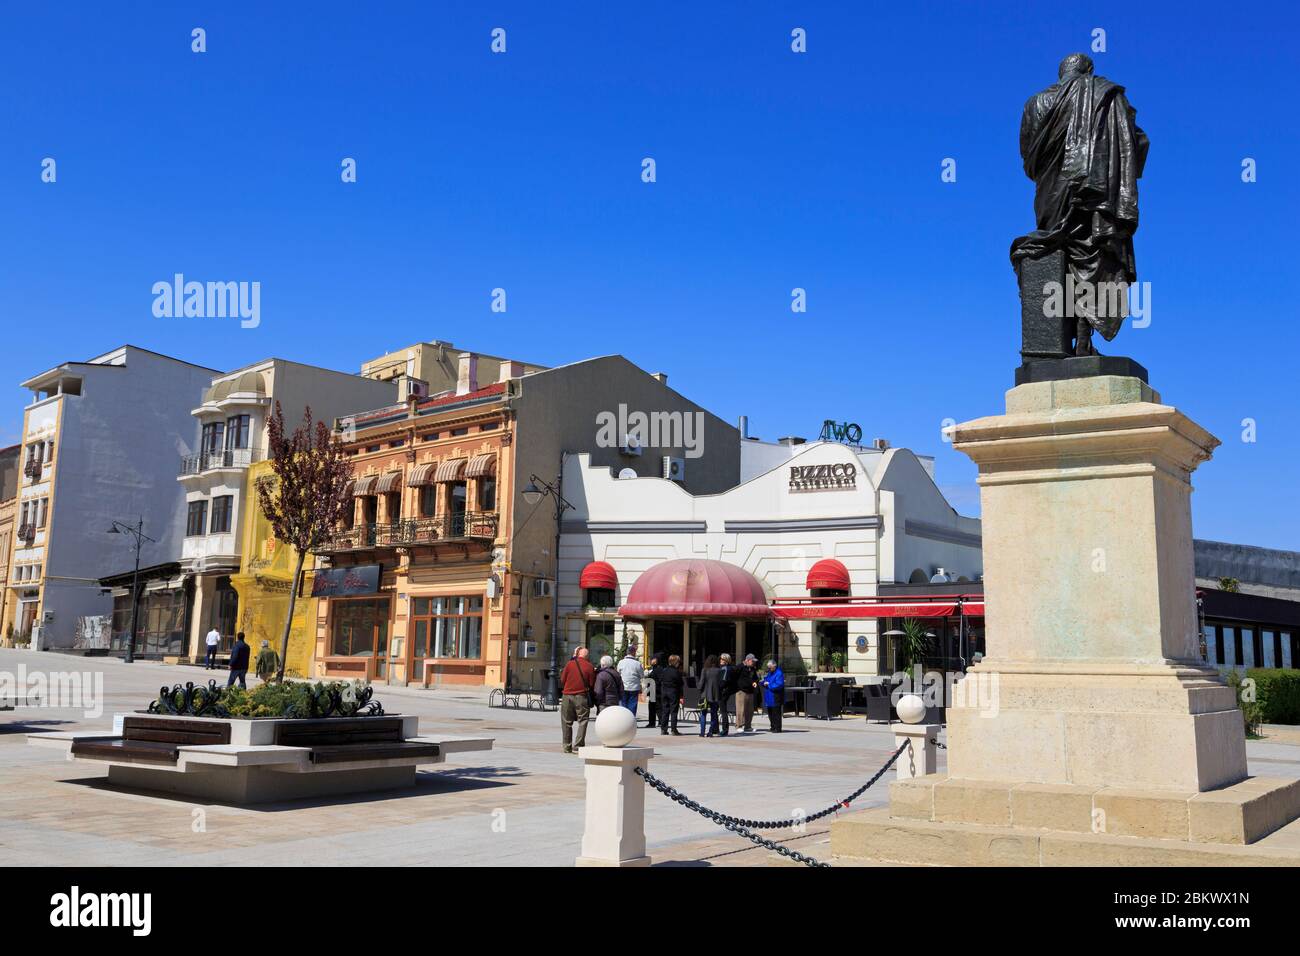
x=1085, y=152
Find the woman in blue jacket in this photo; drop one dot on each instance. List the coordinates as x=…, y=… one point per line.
x=774, y=695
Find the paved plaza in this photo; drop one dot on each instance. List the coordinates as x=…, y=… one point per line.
x=521, y=804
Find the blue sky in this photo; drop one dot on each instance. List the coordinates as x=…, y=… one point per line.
x=775, y=170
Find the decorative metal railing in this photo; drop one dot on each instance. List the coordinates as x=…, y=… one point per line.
x=26, y=532
x=224, y=458
x=469, y=525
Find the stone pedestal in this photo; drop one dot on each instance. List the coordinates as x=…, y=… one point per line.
x=1090, y=731
x=1091, y=629
x=922, y=758
x=614, y=832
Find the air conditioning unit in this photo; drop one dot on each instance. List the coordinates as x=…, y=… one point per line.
x=631, y=447
x=413, y=388
x=674, y=468
x=543, y=588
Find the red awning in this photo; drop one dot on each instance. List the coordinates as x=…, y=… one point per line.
x=599, y=574
x=828, y=574
x=814, y=609
x=694, y=587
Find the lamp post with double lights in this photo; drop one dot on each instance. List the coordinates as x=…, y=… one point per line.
x=533, y=493
x=140, y=537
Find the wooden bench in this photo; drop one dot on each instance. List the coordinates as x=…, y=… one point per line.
x=153, y=741
x=342, y=739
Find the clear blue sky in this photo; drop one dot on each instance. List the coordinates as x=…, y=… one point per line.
x=775, y=170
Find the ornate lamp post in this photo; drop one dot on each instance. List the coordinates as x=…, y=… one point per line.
x=533, y=493
x=140, y=537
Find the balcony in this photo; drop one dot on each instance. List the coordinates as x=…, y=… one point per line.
x=27, y=532
x=410, y=532
x=217, y=460
x=33, y=468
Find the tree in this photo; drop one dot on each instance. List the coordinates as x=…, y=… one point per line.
x=305, y=496
x=1231, y=585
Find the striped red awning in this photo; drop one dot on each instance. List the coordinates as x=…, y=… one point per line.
x=421, y=475
x=388, y=483
x=453, y=469
x=818, y=610
x=598, y=574
x=481, y=466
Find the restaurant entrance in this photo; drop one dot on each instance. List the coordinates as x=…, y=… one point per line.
x=710, y=638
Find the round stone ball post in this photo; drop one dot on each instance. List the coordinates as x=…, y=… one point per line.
x=923, y=756
x=614, y=831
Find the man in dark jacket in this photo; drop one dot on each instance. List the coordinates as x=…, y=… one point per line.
x=671, y=684
x=746, y=685
x=238, y=662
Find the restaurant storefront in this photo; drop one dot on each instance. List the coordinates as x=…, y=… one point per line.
x=161, y=623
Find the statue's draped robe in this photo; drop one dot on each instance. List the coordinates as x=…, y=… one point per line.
x=1085, y=152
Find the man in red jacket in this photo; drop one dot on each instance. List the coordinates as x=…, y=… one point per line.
x=577, y=681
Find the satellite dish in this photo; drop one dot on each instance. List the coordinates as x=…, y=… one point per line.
x=627, y=473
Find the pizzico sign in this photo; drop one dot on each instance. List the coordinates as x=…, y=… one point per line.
x=838, y=477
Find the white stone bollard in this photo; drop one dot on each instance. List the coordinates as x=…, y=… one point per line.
x=614, y=831
x=923, y=756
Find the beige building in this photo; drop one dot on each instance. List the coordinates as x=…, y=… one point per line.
x=8, y=512
x=438, y=365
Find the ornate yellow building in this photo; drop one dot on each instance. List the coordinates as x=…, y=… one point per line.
x=264, y=582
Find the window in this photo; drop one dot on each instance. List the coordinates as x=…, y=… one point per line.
x=213, y=435
x=457, y=432
x=449, y=627
x=41, y=510
x=359, y=627
x=489, y=426
x=237, y=432
x=221, y=512
x=600, y=597
x=196, y=519
x=428, y=501
x=487, y=494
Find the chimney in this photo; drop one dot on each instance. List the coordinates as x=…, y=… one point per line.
x=792, y=440
x=880, y=444
x=467, y=374
x=743, y=426
x=510, y=369
x=660, y=377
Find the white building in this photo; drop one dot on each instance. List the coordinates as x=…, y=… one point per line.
x=826, y=540
x=100, y=442
x=229, y=434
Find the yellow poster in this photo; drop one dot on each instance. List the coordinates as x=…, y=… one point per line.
x=265, y=582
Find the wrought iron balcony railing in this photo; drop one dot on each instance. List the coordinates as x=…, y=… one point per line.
x=223, y=458
x=26, y=532
x=407, y=532
x=33, y=468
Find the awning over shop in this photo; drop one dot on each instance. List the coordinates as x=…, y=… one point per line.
x=828, y=574
x=600, y=575
x=364, y=486
x=694, y=587
x=481, y=466
x=421, y=475
x=453, y=469
x=815, y=609
x=388, y=483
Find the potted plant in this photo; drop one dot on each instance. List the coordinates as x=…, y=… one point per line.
x=838, y=660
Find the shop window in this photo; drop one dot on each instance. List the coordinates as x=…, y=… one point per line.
x=599, y=598
x=196, y=519
x=359, y=627
x=447, y=627
x=600, y=640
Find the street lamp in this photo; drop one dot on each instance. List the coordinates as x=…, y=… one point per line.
x=140, y=537
x=533, y=492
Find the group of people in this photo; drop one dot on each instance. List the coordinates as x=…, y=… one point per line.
x=584, y=686
x=268, y=661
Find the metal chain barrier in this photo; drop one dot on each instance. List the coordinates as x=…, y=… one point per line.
x=745, y=828
x=941, y=745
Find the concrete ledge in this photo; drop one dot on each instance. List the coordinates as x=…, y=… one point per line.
x=1240, y=814
x=876, y=836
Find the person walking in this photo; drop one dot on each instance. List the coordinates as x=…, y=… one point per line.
x=652, y=693
x=672, y=683
x=268, y=662
x=608, y=686
x=727, y=687
x=577, y=681
x=774, y=695
x=631, y=673
x=239, y=662
x=746, y=686
x=710, y=694
x=214, y=641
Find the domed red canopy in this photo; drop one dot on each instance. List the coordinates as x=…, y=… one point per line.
x=599, y=574
x=694, y=587
x=828, y=574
